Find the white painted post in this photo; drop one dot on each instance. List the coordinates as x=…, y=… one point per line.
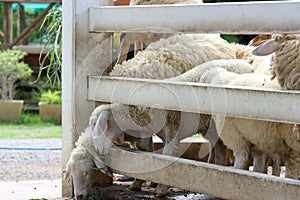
x=84, y=54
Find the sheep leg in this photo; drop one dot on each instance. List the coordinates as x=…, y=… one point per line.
x=216, y=145
x=220, y=153
x=170, y=148
x=259, y=162
x=241, y=160
x=276, y=165
x=145, y=144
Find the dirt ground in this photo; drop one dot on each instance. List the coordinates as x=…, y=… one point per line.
x=19, y=165
x=120, y=191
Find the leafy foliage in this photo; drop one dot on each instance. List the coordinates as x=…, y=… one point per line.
x=51, y=97
x=53, y=37
x=11, y=70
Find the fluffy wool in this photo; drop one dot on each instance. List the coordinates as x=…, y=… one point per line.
x=81, y=163
x=287, y=61
x=244, y=135
x=259, y=39
x=232, y=65
x=175, y=55
x=260, y=64
x=139, y=39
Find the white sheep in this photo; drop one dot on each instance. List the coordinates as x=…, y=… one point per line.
x=81, y=163
x=101, y=122
x=174, y=125
x=84, y=158
x=170, y=57
x=139, y=39
x=286, y=67
x=244, y=136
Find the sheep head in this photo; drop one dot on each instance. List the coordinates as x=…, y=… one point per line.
x=81, y=168
x=286, y=59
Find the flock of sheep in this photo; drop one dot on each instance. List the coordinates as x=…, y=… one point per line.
x=205, y=58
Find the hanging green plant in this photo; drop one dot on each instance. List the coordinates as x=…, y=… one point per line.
x=52, y=61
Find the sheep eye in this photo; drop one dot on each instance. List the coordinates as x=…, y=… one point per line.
x=85, y=173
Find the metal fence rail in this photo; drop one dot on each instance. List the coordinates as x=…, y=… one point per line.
x=247, y=17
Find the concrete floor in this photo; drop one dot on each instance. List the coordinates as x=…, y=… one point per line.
x=24, y=190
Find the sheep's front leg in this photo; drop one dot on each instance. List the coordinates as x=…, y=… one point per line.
x=145, y=144
x=259, y=162
x=170, y=148
x=241, y=160
x=276, y=164
x=220, y=153
x=216, y=145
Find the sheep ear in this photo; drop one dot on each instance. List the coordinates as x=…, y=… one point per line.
x=92, y=121
x=266, y=48
x=101, y=124
x=68, y=172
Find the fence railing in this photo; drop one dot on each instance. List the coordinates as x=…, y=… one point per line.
x=235, y=18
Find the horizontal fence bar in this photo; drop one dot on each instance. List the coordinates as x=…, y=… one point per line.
x=246, y=18
x=245, y=102
x=218, y=181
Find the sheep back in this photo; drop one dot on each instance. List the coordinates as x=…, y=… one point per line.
x=175, y=55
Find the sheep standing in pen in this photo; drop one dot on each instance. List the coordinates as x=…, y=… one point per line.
x=173, y=124
x=168, y=58
x=173, y=56
x=256, y=137
x=108, y=122
x=139, y=39
x=286, y=49
x=165, y=58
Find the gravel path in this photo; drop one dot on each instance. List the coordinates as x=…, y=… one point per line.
x=17, y=165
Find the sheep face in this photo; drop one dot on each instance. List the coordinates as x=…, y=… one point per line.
x=286, y=59
x=80, y=168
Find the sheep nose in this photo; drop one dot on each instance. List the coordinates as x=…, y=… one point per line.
x=79, y=197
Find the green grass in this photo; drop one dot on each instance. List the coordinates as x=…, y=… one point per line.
x=29, y=126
